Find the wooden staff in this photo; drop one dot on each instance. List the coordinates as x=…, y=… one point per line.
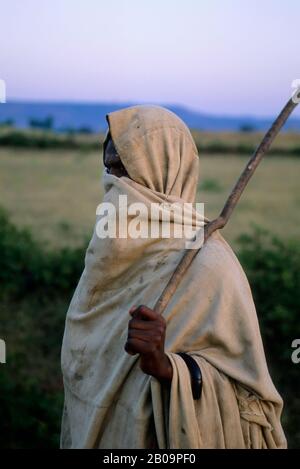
x=229, y=206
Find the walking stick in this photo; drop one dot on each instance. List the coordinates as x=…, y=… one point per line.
x=229, y=206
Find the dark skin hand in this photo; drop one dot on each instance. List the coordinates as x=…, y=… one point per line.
x=146, y=328
x=146, y=336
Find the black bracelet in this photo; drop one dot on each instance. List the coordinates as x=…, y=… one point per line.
x=195, y=373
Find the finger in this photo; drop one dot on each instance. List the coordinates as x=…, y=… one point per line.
x=132, y=309
x=143, y=312
x=136, y=323
x=148, y=336
x=134, y=346
x=129, y=349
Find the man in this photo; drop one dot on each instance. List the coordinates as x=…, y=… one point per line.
x=129, y=374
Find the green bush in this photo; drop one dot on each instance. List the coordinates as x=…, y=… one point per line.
x=25, y=267
x=273, y=270
x=46, y=140
x=36, y=287
x=42, y=137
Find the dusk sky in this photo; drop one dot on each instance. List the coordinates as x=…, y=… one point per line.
x=216, y=56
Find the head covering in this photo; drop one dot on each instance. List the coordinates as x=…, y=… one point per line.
x=109, y=401
x=157, y=150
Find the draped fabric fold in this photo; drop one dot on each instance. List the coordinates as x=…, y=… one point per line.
x=109, y=401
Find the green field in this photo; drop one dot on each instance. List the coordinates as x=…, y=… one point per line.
x=55, y=192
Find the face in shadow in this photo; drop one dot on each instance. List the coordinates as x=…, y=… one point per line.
x=112, y=160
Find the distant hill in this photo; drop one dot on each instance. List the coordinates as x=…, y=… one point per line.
x=91, y=117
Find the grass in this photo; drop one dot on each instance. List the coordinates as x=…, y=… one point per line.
x=55, y=193
x=271, y=199
x=286, y=141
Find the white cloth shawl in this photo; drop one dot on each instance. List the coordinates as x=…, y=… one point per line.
x=109, y=401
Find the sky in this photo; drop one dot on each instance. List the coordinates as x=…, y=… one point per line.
x=230, y=57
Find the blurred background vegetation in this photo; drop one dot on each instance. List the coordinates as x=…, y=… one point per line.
x=50, y=185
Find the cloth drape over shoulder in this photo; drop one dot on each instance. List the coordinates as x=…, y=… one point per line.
x=109, y=402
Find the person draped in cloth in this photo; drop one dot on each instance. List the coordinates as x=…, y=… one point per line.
x=195, y=377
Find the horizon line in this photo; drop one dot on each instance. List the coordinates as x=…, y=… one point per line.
x=136, y=103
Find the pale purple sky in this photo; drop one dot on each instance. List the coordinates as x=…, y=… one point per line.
x=217, y=56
